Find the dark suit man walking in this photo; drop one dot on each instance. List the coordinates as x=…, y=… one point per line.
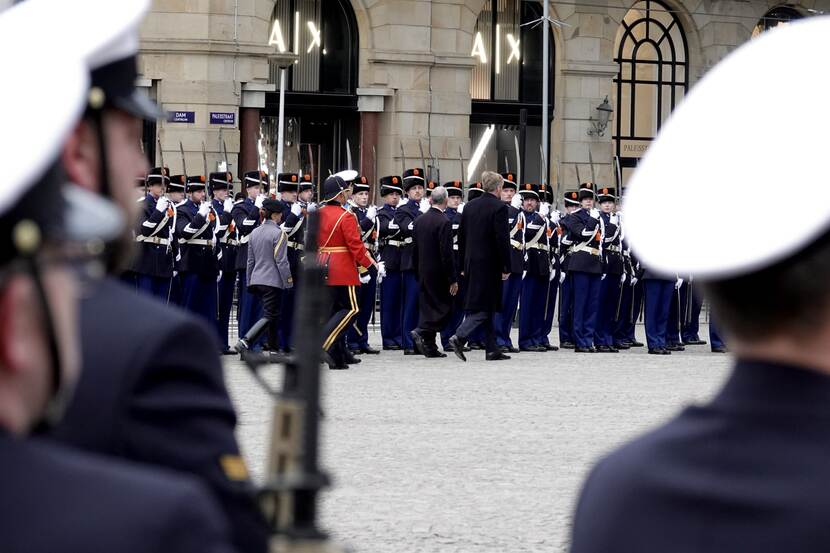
x=484, y=248
x=747, y=470
x=437, y=278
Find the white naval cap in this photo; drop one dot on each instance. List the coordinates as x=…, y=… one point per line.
x=348, y=175
x=752, y=132
x=38, y=121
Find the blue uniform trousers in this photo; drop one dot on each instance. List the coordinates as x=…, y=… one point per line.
x=714, y=338
x=154, y=286
x=532, y=312
x=550, y=309
x=199, y=295
x=566, y=310
x=511, y=290
x=625, y=326
x=129, y=278
x=676, y=314
x=391, y=309
x=658, y=297
x=409, y=319
x=690, y=326
x=250, y=308
x=357, y=335
x=286, y=329
x=609, y=295
x=585, y=299
x=223, y=322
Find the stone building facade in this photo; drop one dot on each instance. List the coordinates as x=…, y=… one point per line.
x=397, y=77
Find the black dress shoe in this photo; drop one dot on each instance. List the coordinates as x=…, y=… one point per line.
x=410, y=352
x=607, y=349
x=475, y=346
x=583, y=350
x=392, y=348
x=720, y=349
x=369, y=350
x=636, y=344
x=418, y=340
x=697, y=342
x=675, y=347
x=593, y=349
x=228, y=351
x=338, y=367
x=354, y=351
x=621, y=346
x=457, y=346
x=496, y=356
x=656, y=351
x=532, y=349
x=504, y=349
x=567, y=345
x=551, y=347
x=434, y=353
x=351, y=359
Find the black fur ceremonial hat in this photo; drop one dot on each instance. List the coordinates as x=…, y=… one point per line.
x=606, y=194
x=195, y=182
x=158, y=175
x=475, y=191
x=571, y=197
x=454, y=188
x=587, y=190
x=360, y=184
x=177, y=183
x=288, y=182
x=306, y=183
x=509, y=181
x=390, y=184
x=220, y=181
x=529, y=191
x=413, y=177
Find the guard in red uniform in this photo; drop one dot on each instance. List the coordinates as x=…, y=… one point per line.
x=342, y=251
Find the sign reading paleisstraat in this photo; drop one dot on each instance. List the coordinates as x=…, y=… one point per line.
x=222, y=118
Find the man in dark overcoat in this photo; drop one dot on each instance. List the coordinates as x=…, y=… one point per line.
x=484, y=247
x=437, y=278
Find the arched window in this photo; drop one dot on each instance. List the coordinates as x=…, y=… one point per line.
x=780, y=15
x=653, y=76
x=324, y=39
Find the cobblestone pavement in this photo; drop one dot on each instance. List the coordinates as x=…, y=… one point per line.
x=443, y=456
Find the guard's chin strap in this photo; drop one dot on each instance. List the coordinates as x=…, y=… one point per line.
x=59, y=395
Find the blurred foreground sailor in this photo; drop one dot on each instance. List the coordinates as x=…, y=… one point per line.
x=151, y=390
x=55, y=498
x=748, y=470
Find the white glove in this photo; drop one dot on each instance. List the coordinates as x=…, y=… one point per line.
x=365, y=278
x=296, y=209
x=544, y=209
x=614, y=219
x=219, y=277
x=562, y=276
x=259, y=200
x=594, y=213
x=634, y=281
x=204, y=208
x=162, y=204
x=555, y=216
x=623, y=278
x=552, y=275
x=228, y=205
x=403, y=202
x=460, y=208
x=371, y=213
x=603, y=276
x=411, y=225
x=516, y=201
x=424, y=207
x=678, y=284
x=381, y=269
x=311, y=207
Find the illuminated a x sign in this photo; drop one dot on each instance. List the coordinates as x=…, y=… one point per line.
x=514, y=48
x=315, y=36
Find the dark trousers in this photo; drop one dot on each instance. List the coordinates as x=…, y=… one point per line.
x=357, y=336
x=344, y=308
x=566, y=310
x=286, y=329
x=390, y=309
x=456, y=317
x=250, y=307
x=690, y=326
x=154, y=286
x=475, y=320
x=586, y=296
x=609, y=296
x=199, y=295
x=532, y=313
x=226, y=287
x=511, y=290
x=550, y=310
x=632, y=297
x=676, y=313
x=271, y=298
x=658, y=297
x=715, y=339
x=409, y=315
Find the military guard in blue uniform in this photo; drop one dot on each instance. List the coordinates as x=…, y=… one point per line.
x=357, y=336
x=455, y=207
x=536, y=271
x=405, y=215
x=632, y=299
x=613, y=272
x=293, y=224
x=389, y=252
x=586, y=232
x=570, y=200
x=554, y=233
x=246, y=217
x=512, y=288
x=196, y=226
x=153, y=264
x=690, y=325
x=221, y=187
x=176, y=195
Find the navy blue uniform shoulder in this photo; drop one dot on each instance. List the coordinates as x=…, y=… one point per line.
x=56, y=499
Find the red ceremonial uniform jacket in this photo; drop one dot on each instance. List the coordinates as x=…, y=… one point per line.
x=340, y=244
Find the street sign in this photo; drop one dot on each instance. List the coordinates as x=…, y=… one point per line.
x=222, y=118
x=181, y=117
